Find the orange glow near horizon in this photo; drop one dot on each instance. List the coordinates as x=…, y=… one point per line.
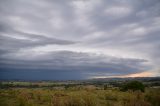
x=141, y=74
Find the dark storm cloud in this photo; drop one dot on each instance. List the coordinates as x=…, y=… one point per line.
x=80, y=35
x=82, y=63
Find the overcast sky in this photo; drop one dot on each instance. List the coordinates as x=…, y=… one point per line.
x=79, y=39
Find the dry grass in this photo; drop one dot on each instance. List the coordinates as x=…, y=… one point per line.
x=83, y=97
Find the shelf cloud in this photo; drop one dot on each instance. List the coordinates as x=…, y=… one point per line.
x=78, y=39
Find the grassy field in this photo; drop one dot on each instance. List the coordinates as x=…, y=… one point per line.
x=88, y=96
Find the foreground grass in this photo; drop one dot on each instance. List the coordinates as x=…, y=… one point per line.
x=83, y=97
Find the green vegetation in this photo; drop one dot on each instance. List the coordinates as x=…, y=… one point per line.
x=133, y=85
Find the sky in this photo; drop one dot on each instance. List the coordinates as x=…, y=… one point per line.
x=79, y=39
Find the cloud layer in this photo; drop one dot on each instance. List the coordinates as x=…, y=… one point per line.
x=82, y=38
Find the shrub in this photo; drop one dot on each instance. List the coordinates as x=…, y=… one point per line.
x=133, y=85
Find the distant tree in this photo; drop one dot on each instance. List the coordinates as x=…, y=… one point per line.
x=133, y=85
x=105, y=87
x=1, y=85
